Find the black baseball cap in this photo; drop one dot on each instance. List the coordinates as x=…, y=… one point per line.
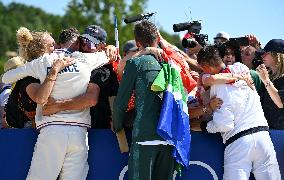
x=130, y=46
x=95, y=34
x=274, y=45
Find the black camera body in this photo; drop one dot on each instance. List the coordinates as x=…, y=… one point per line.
x=257, y=60
x=190, y=43
x=242, y=41
x=193, y=28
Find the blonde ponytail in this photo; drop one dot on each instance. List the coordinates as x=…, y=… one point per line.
x=31, y=44
x=24, y=37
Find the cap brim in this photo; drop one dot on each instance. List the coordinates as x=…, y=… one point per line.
x=133, y=49
x=220, y=38
x=92, y=39
x=260, y=51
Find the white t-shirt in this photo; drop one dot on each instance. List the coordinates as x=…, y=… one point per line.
x=71, y=82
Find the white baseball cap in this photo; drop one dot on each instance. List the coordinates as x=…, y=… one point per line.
x=222, y=34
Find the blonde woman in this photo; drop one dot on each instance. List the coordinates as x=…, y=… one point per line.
x=271, y=73
x=27, y=92
x=61, y=148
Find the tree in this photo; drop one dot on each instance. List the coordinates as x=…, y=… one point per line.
x=101, y=12
x=15, y=15
x=79, y=14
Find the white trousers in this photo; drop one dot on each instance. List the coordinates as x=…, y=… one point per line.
x=251, y=153
x=61, y=150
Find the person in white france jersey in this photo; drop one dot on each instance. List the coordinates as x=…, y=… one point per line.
x=61, y=147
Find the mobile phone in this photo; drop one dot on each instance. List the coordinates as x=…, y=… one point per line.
x=242, y=41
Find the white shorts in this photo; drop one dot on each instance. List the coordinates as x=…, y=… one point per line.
x=251, y=153
x=61, y=150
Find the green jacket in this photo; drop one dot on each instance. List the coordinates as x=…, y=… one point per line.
x=256, y=79
x=139, y=74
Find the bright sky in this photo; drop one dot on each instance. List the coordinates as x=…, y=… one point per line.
x=264, y=18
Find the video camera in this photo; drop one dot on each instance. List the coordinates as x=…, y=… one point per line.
x=193, y=28
x=242, y=41
x=257, y=60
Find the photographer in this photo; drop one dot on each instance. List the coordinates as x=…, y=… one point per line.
x=193, y=41
x=272, y=89
x=193, y=49
x=249, y=56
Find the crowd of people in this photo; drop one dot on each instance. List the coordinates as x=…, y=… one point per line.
x=64, y=88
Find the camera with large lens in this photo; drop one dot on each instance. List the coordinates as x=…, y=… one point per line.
x=193, y=29
x=190, y=43
x=257, y=60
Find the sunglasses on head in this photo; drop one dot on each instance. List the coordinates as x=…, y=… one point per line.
x=84, y=40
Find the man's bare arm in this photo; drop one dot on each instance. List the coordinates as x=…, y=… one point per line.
x=89, y=99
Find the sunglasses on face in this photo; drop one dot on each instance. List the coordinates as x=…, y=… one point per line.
x=85, y=40
x=89, y=43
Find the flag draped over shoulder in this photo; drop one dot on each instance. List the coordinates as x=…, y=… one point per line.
x=171, y=55
x=173, y=124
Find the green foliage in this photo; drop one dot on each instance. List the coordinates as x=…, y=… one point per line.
x=1, y=67
x=79, y=14
x=101, y=12
x=173, y=39
x=15, y=15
